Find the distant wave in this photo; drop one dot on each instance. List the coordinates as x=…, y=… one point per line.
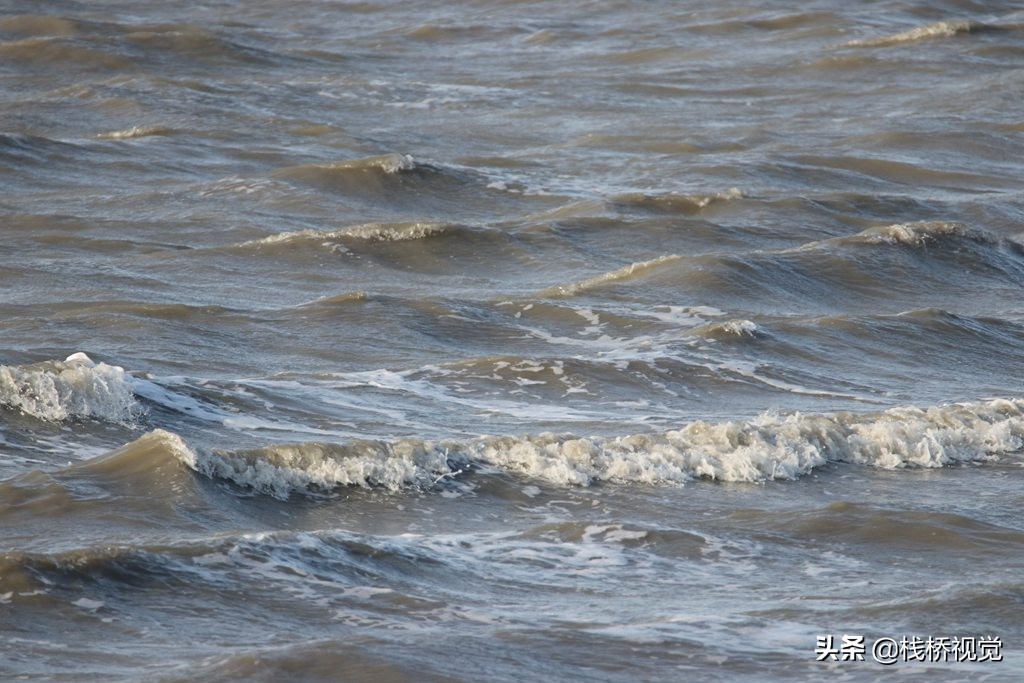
x=394, y=179
x=621, y=274
x=60, y=52
x=728, y=329
x=941, y=29
x=135, y=132
x=73, y=388
x=921, y=234
x=342, y=171
x=674, y=203
x=822, y=268
x=368, y=232
x=765, y=448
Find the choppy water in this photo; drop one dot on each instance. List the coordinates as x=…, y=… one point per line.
x=507, y=340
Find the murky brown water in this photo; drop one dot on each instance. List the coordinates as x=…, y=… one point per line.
x=505, y=340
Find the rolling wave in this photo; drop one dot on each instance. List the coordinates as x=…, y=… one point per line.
x=765, y=448
x=923, y=233
x=357, y=173
x=819, y=267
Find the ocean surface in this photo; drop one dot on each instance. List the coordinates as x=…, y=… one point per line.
x=492, y=340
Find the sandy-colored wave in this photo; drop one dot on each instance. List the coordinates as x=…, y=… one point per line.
x=768, y=447
x=623, y=274
x=940, y=29
x=135, y=132
x=367, y=232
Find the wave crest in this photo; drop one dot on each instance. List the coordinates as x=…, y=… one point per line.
x=621, y=274
x=766, y=448
x=135, y=132
x=368, y=232
x=940, y=29
x=674, y=203
x=921, y=233
x=73, y=388
x=280, y=469
x=345, y=172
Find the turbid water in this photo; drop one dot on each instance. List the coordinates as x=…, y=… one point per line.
x=604, y=341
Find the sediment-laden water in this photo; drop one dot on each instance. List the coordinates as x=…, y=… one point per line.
x=417, y=341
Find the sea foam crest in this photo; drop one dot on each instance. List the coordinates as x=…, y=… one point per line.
x=278, y=470
x=388, y=163
x=772, y=446
x=135, y=132
x=941, y=29
x=922, y=232
x=916, y=234
x=368, y=232
x=766, y=448
x=74, y=387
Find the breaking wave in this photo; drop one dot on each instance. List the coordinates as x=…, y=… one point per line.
x=941, y=29
x=922, y=233
x=729, y=329
x=619, y=275
x=768, y=447
x=136, y=132
x=76, y=387
x=368, y=232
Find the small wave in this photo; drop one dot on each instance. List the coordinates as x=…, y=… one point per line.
x=728, y=329
x=21, y=147
x=368, y=232
x=921, y=233
x=619, y=275
x=73, y=388
x=343, y=299
x=941, y=29
x=60, y=52
x=674, y=203
x=39, y=25
x=135, y=132
x=917, y=235
x=391, y=178
x=766, y=448
x=387, y=164
x=192, y=42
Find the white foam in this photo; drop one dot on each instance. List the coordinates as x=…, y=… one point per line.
x=920, y=233
x=736, y=328
x=134, y=132
x=279, y=470
x=369, y=232
x=766, y=448
x=941, y=29
x=74, y=388
x=389, y=163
